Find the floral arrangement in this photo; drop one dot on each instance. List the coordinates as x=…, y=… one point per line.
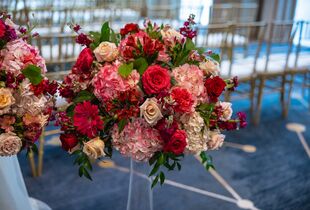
x=149, y=93
x=26, y=100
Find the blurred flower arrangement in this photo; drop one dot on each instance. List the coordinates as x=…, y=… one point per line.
x=149, y=93
x=26, y=100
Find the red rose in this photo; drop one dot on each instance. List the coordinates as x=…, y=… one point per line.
x=155, y=79
x=177, y=143
x=184, y=100
x=84, y=62
x=215, y=86
x=2, y=29
x=130, y=27
x=68, y=141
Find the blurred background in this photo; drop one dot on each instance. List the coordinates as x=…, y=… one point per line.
x=265, y=166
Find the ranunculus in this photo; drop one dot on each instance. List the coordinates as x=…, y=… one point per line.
x=210, y=67
x=6, y=100
x=94, y=148
x=216, y=140
x=106, y=51
x=155, y=80
x=226, y=110
x=215, y=86
x=68, y=141
x=129, y=28
x=183, y=99
x=10, y=144
x=84, y=62
x=150, y=111
x=177, y=143
x=2, y=29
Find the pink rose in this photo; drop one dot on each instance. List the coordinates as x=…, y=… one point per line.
x=10, y=144
x=106, y=51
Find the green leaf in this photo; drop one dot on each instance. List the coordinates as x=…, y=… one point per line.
x=189, y=45
x=155, y=181
x=215, y=57
x=81, y=171
x=113, y=37
x=86, y=174
x=155, y=169
x=125, y=69
x=179, y=166
x=161, y=159
x=105, y=32
x=162, y=178
x=70, y=110
x=121, y=125
x=84, y=95
x=33, y=73
x=140, y=64
x=88, y=165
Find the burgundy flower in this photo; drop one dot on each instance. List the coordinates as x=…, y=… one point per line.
x=84, y=62
x=165, y=129
x=242, y=119
x=83, y=40
x=68, y=141
x=86, y=119
x=129, y=28
x=2, y=29
x=177, y=143
x=215, y=86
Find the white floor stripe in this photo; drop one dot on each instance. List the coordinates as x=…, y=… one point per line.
x=299, y=129
x=304, y=143
x=244, y=147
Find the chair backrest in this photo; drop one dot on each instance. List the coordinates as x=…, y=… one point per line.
x=233, y=12
x=303, y=38
x=279, y=45
x=59, y=50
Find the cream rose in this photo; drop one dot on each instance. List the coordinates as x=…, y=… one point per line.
x=210, y=67
x=94, y=148
x=10, y=144
x=216, y=140
x=106, y=51
x=6, y=100
x=227, y=110
x=150, y=111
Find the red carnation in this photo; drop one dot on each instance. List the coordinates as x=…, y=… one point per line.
x=177, y=143
x=68, y=141
x=184, y=100
x=84, y=62
x=129, y=28
x=86, y=119
x=2, y=29
x=215, y=86
x=155, y=79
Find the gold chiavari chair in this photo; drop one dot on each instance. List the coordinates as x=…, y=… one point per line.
x=273, y=77
x=244, y=68
x=301, y=65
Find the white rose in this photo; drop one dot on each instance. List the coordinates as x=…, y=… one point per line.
x=94, y=148
x=216, y=140
x=6, y=100
x=150, y=111
x=10, y=144
x=210, y=67
x=106, y=51
x=227, y=110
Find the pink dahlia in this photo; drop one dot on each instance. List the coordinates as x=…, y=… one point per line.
x=108, y=84
x=18, y=55
x=190, y=77
x=138, y=140
x=86, y=119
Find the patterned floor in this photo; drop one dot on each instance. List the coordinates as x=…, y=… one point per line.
x=272, y=172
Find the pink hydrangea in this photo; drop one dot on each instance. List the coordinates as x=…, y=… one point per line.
x=190, y=77
x=138, y=140
x=18, y=54
x=108, y=83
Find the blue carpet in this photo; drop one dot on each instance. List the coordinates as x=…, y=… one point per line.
x=275, y=177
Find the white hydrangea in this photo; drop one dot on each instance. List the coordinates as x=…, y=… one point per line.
x=197, y=132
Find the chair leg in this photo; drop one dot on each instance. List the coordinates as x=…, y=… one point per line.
x=259, y=101
x=32, y=163
x=41, y=153
x=289, y=94
x=252, y=98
